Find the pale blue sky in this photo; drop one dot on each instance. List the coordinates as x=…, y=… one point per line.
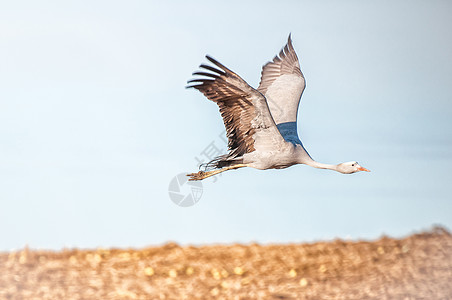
x=95, y=121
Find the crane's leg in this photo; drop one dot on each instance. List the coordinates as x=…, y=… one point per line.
x=202, y=175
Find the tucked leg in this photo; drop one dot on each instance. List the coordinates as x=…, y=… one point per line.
x=202, y=175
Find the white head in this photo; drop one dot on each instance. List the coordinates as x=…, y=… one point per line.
x=350, y=167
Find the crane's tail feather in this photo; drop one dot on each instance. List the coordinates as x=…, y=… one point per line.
x=220, y=162
x=217, y=165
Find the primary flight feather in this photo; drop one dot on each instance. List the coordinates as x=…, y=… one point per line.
x=261, y=124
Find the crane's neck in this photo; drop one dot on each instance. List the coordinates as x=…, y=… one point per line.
x=305, y=158
x=289, y=132
x=320, y=165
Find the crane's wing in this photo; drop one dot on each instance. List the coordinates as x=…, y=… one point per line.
x=282, y=84
x=249, y=124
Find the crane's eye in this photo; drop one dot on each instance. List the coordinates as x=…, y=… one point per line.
x=353, y=165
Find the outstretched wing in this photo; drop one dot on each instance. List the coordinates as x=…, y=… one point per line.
x=249, y=124
x=282, y=83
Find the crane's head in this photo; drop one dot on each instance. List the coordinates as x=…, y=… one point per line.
x=350, y=167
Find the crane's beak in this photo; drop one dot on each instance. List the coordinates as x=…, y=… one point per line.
x=363, y=169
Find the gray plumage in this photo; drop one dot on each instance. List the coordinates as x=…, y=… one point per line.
x=260, y=123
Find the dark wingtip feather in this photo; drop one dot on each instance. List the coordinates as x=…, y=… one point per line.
x=214, y=61
x=220, y=72
x=193, y=86
x=205, y=74
x=211, y=59
x=218, y=64
x=201, y=80
x=289, y=42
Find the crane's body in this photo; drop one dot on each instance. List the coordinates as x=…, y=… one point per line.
x=261, y=124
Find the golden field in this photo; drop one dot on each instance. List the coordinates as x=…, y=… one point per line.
x=415, y=267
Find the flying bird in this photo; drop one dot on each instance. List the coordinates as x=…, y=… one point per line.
x=261, y=124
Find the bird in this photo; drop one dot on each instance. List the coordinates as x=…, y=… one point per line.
x=261, y=124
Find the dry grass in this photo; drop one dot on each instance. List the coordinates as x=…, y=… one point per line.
x=416, y=267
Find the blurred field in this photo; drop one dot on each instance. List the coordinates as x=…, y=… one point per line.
x=416, y=267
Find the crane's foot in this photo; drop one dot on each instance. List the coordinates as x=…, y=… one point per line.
x=202, y=175
x=197, y=176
